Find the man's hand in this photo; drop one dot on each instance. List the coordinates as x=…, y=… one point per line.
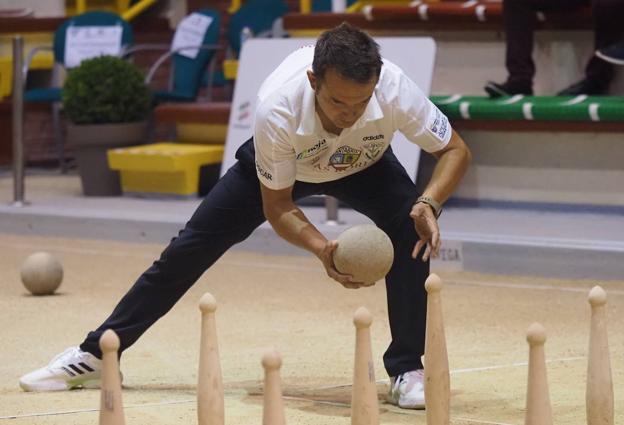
x=327, y=258
x=426, y=226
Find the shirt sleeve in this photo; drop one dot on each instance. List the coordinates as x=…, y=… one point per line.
x=419, y=119
x=275, y=156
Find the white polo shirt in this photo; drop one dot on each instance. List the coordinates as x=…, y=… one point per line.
x=291, y=143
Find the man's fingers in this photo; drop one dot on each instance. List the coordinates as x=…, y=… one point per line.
x=436, y=243
x=425, y=256
x=417, y=248
x=330, y=247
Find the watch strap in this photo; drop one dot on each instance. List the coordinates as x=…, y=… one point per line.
x=435, y=205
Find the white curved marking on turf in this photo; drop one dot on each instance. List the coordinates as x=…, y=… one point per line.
x=578, y=99
x=367, y=10
x=593, y=111
x=513, y=99
x=527, y=111
x=451, y=99
x=464, y=110
x=480, y=13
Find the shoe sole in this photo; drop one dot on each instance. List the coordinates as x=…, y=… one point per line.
x=609, y=59
x=391, y=400
x=419, y=406
x=62, y=385
x=494, y=91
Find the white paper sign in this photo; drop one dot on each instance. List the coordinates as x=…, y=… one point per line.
x=91, y=41
x=190, y=32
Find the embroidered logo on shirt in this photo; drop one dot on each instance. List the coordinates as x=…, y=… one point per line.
x=344, y=157
x=439, y=126
x=373, y=149
x=376, y=137
x=264, y=173
x=318, y=147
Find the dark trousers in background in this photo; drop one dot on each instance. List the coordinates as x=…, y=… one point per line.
x=233, y=209
x=520, y=21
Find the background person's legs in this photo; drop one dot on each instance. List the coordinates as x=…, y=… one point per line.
x=608, y=17
x=385, y=193
x=520, y=20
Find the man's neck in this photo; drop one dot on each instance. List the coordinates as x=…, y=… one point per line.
x=325, y=122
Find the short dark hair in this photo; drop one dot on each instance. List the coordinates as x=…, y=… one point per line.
x=348, y=50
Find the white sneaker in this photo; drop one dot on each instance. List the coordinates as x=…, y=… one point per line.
x=73, y=368
x=407, y=390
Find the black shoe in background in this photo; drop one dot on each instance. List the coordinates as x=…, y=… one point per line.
x=613, y=54
x=586, y=87
x=507, y=89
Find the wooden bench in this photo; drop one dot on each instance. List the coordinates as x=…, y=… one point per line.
x=440, y=16
x=217, y=114
x=534, y=113
x=196, y=122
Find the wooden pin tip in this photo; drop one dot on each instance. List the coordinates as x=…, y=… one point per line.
x=433, y=283
x=109, y=341
x=271, y=360
x=362, y=318
x=597, y=296
x=208, y=303
x=536, y=334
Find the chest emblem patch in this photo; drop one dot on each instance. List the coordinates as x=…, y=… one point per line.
x=344, y=157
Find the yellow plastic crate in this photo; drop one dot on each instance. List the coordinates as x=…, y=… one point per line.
x=230, y=68
x=42, y=60
x=163, y=168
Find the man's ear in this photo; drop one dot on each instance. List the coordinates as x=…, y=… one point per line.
x=312, y=79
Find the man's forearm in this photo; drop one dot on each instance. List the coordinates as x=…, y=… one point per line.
x=290, y=223
x=448, y=172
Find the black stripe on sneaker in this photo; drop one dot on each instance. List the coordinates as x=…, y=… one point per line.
x=86, y=366
x=68, y=371
x=76, y=368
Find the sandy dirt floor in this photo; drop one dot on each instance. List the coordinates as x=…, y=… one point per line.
x=289, y=303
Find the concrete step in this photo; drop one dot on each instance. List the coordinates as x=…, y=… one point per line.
x=500, y=241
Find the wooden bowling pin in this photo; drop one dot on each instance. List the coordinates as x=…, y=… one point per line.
x=210, y=405
x=538, y=410
x=273, y=413
x=437, y=377
x=111, y=407
x=364, y=402
x=599, y=392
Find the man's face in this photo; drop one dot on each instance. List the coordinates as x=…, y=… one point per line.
x=340, y=100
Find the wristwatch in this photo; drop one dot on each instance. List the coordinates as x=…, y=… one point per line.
x=435, y=205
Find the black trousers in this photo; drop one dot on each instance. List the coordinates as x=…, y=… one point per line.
x=233, y=209
x=520, y=20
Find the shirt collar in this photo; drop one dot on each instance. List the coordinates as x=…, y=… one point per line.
x=308, y=121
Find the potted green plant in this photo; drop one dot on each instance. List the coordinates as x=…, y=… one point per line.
x=107, y=104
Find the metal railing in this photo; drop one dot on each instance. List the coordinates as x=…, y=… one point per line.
x=17, y=112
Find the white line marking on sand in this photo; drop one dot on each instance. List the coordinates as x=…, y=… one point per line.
x=165, y=403
x=518, y=364
x=538, y=286
x=70, y=412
